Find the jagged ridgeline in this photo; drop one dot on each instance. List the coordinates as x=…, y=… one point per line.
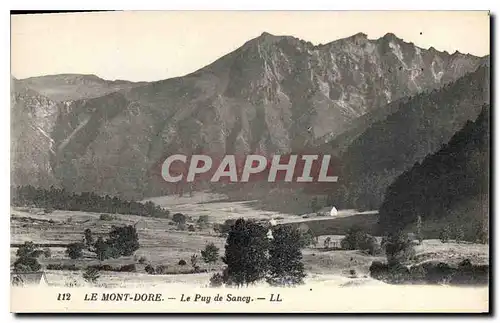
x=449, y=188
x=418, y=127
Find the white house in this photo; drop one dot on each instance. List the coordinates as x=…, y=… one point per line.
x=328, y=210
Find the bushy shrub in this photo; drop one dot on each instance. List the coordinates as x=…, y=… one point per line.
x=106, y=217
x=91, y=275
x=191, y=228
x=216, y=280
x=211, y=253
x=161, y=270
x=398, y=248
x=27, y=258
x=54, y=267
x=70, y=267
x=27, y=265
x=72, y=283
x=379, y=270
x=142, y=259
x=179, y=218
x=127, y=268
x=357, y=239
x=444, y=234
x=182, y=262
x=75, y=250
x=103, y=268
x=124, y=240
x=47, y=253
x=399, y=274
x=438, y=273
x=202, y=221
x=307, y=238
x=149, y=269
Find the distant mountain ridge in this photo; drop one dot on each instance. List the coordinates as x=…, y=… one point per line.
x=275, y=94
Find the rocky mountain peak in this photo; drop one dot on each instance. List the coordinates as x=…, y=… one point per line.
x=273, y=94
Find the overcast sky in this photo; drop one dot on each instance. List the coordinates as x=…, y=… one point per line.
x=148, y=46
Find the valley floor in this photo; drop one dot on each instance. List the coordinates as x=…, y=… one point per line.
x=162, y=244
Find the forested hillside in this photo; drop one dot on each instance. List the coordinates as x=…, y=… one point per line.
x=450, y=188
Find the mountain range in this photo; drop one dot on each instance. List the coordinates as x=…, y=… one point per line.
x=353, y=97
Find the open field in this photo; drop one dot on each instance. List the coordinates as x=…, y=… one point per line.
x=162, y=244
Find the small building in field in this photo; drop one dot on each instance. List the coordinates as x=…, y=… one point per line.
x=328, y=211
x=28, y=279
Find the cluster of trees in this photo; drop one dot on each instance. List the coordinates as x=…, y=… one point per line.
x=27, y=257
x=121, y=241
x=251, y=256
x=450, y=185
x=60, y=199
x=357, y=239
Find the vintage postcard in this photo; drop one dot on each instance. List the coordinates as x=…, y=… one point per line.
x=242, y=162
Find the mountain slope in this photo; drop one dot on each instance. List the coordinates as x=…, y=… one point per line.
x=272, y=95
x=32, y=119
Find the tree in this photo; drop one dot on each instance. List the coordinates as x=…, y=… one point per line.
x=74, y=250
x=285, y=257
x=47, y=253
x=91, y=275
x=28, y=249
x=210, y=254
x=482, y=232
x=194, y=262
x=307, y=238
x=179, y=218
x=245, y=253
x=327, y=242
x=315, y=207
x=124, y=240
x=88, y=239
x=444, y=234
x=459, y=234
x=27, y=258
x=150, y=269
x=398, y=248
x=354, y=238
x=102, y=249
x=161, y=270
x=27, y=264
x=217, y=280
